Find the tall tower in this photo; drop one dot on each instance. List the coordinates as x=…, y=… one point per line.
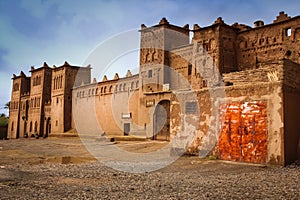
x=20, y=86
x=216, y=43
x=40, y=93
x=156, y=42
x=64, y=78
x=155, y=75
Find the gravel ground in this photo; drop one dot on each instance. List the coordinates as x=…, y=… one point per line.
x=187, y=178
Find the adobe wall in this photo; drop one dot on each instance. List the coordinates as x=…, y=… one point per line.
x=263, y=84
x=268, y=43
x=271, y=93
x=74, y=75
x=205, y=125
x=111, y=103
x=264, y=73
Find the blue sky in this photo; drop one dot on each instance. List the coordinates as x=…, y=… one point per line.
x=35, y=31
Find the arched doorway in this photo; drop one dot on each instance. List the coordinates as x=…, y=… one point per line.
x=161, y=121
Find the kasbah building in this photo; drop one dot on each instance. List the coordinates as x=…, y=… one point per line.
x=233, y=89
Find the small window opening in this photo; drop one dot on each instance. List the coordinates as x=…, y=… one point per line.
x=288, y=32
x=288, y=53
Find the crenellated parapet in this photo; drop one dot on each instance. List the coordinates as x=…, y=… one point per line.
x=107, y=86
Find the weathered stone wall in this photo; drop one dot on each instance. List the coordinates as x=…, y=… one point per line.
x=269, y=43
x=206, y=134
x=266, y=72
x=271, y=93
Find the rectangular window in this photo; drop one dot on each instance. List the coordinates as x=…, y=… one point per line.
x=191, y=107
x=150, y=73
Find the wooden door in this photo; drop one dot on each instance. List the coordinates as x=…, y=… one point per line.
x=243, y=135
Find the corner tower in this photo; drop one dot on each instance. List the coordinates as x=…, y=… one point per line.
x=156, y=42
x=64, y=78
x=20, y=87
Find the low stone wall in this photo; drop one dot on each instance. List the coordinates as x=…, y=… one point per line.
x=266, y=72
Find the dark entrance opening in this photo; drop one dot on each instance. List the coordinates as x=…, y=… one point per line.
x=48, y=127
x=161, y=121
x=126, y=128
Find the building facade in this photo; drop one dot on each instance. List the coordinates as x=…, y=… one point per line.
x=41, y=103
x=230, y=90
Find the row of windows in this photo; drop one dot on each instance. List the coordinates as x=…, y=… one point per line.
x=35, y=102
x=287, y=53
x=57, y=82
x=267, y=40
x=30, y=126
x=109, y=89
x=123, y=87
x=35, y=126
x=14, y=105
x=36, y=80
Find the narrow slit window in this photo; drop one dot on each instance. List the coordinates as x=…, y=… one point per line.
x=150, y=73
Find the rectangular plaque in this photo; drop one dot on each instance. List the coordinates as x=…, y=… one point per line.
x=150, y=103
